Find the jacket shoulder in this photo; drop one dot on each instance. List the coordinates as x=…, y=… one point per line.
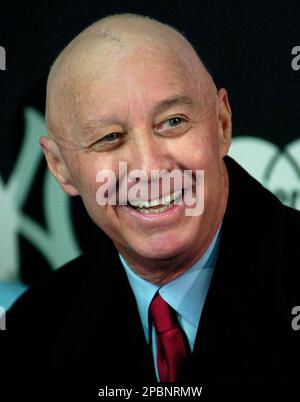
x=291, y=257
x=55, y=292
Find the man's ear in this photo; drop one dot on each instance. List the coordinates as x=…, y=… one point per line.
x=224, y=117
x=57, y=166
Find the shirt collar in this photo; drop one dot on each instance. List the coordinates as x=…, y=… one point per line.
x=184, y=294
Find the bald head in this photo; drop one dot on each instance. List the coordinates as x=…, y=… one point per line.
x=103, y=46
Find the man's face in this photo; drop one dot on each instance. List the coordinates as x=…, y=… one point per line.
x=150, y=112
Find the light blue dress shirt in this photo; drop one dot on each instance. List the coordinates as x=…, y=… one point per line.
x=185, y=294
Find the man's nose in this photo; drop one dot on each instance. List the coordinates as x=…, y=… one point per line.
x=150, y=152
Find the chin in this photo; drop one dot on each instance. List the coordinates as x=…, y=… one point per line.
x=162, y=247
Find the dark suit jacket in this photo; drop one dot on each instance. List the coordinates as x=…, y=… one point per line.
x=82, y=323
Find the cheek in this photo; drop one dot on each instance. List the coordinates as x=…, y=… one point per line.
x=199, y=149
x=201, y=152
x=84, y=173
x=86, y=178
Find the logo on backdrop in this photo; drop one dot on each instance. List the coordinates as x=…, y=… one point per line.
x=2, y=319
x=278, y=170
x=296, y=60
x=2, y=58
x=56, y=241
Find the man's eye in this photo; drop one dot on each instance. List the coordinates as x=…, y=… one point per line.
x=173, y=125
x=111, y=137
x=108, y=142
x=174, y=121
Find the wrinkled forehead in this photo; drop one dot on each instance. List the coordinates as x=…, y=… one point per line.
x=101, y=73
x=141, y=72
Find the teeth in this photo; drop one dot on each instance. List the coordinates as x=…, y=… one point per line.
x=154, y=211
x=166, y=200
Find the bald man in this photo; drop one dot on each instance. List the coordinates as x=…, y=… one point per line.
x=173, y=292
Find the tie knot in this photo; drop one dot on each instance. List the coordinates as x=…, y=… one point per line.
x=163, y=316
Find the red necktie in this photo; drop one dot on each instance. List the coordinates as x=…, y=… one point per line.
x=172, y=347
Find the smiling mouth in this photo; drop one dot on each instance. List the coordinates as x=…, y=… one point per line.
x=156, y=206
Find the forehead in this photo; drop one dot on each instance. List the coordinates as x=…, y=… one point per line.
x=140, y=78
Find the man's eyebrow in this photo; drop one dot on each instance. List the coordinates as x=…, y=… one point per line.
x=92, y=124
x=173, y=101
